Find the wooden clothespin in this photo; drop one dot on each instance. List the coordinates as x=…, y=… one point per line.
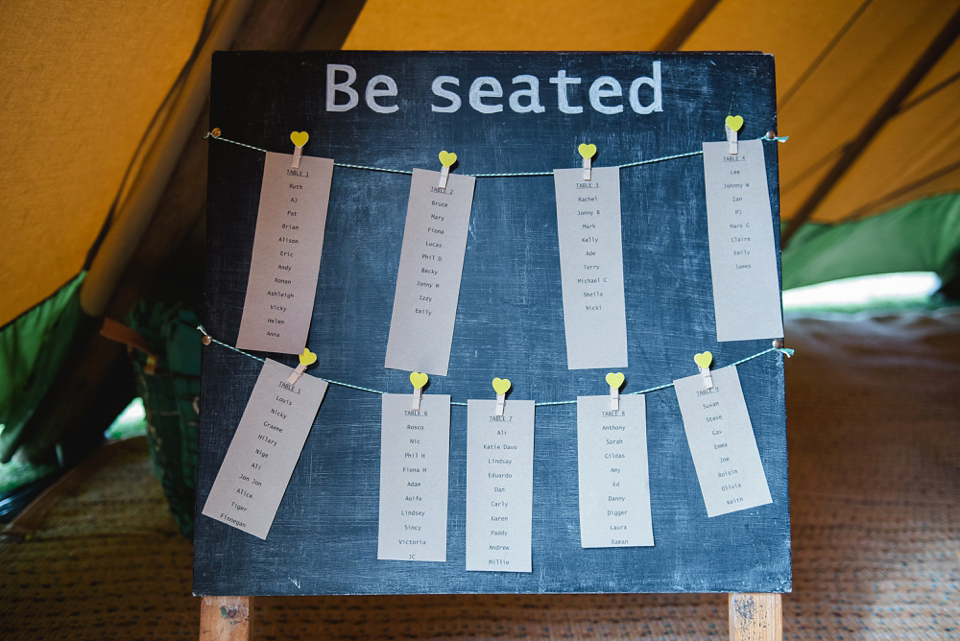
x=501, y=386
x=732, y=125
x=306, y=358
x=615, y=381
x=419, y=381
x=299, y=139
x=446, y=162
x=587, y=152
x=703, y=361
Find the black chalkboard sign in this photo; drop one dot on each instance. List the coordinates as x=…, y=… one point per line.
x=509, y=319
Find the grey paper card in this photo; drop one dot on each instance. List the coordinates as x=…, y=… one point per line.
x=265, y=449
x=428, y=280
x=614, y=476
x=743, y=259
x=414, y=457
x=722, y=442
x=500, y=486
x=286, y=254
x=591, y=267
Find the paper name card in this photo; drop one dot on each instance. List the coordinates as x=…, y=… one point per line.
x=287, y=244
x=414, y=456
x=743, y=258
x=428, y=279
x=614, y=472
x=500, y=486
x=591, y=267
x=265, y=449
x=722, y=442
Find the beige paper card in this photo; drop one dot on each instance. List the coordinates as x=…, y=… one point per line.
x=265, y=449
x=287, y=244
x=414, y=461
x=428, y=279
x=591, y=267
x=722, y=442
x=614, y=472
x=500, y=486
x=743, y=256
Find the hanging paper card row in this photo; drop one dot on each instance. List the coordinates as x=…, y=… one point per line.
x=289, y=238
x=614, y=486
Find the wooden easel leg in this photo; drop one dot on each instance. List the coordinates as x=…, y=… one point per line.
x=225, y=618
x=756, y=617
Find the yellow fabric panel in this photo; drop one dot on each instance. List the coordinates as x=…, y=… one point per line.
x=947, y=182
x=943, y=72
x=851, y=83
x=791, y=30
x=796, y=34
x=491, y=25
x=809, y=166
x=912, y=146
x=80, y=82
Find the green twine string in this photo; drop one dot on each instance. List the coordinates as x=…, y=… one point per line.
x=782, y=350
x=637, y=163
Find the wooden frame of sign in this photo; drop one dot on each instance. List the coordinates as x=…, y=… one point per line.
x=753, y=617
x=501, y=113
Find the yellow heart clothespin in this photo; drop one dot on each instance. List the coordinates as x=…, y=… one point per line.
x=447, y=159
x=731, y=125
x=299, y=139
x=587, y=152
x=306, y=358
x=703, y=361
x=615, y=381
x=419, y=381
x=501, y=386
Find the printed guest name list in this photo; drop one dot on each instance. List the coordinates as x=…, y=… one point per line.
x=287, y=244
x=743, y=258
x=722, y=442
x=265, y=449
x=614, y=477
x=414, y=459
x=500, y=486
x=428, y=278
x=591, y=267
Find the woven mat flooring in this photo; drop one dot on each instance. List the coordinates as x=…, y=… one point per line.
x=874, y=436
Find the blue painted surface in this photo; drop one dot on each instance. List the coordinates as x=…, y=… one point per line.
x=509, y=319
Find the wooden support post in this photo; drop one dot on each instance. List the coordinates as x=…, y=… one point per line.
x=756, y=617
x=225, y=618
